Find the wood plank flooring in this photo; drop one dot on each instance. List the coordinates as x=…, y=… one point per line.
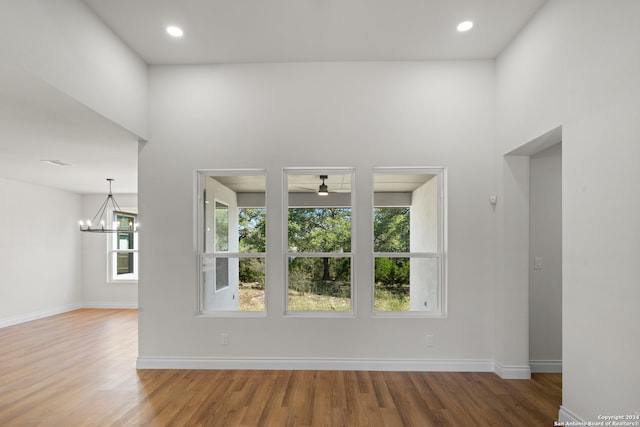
x=78, y=369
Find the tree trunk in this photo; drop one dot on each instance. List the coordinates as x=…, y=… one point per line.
x=325, y=270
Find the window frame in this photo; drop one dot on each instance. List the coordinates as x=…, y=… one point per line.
x=113, y=251
x=441, y=254
x=286, y=172
x=199, y=242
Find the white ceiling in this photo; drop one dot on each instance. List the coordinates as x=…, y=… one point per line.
x=336, y=182
x=222, y=31
x=38, y=123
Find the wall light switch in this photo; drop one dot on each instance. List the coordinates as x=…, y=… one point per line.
x=537, y=263
x=224, y=339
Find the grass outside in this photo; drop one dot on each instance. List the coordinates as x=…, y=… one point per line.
x=252, y=299
x=299, y=301
x=385, y=300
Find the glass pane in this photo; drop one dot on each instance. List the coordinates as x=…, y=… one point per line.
x=125, y=221
x=406, y=284
x=124, y=241
x=222, y=273
x=222, y=227
x=405, y=217
x=319, y=229
x=252, y=281
x=252, y=234
x=124, y=263
x=124, y=266
x=233, y=284
x=234, y=221
x=391, y=228
x=234, y=214
x=319, y=221
x=319, y=284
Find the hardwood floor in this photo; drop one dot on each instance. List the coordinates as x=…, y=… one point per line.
x=78, y=369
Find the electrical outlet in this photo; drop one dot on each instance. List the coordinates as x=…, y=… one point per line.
x=224, y=339
x=429, y=340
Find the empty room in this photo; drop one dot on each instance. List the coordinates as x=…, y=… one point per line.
x=319, y=213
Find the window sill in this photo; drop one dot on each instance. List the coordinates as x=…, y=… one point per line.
x=229, y=313
x=321, y=314
x=124, y=282
x=407, y=315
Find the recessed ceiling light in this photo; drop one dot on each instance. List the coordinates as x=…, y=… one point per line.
x=465, y=26
x=175, y=31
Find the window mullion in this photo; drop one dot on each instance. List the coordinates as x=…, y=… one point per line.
x=407, y=254
x=320, y=254
x=234, y=255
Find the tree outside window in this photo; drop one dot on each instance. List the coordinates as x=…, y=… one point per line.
x=408, y=240
x=319, y=266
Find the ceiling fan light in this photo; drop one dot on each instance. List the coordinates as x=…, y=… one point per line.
x=323, y=190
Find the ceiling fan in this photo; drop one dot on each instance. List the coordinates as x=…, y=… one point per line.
x=321, y=190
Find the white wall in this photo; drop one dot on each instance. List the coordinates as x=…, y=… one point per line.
x=40, y=252
x=423, y=289
x=279, y=115
x=63, y=43
x=576, y=65
x=97, y=290
x=545, y=243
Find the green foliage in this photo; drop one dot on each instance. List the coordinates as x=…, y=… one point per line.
x=252, y=235
x=306, y=275
x=252, y=271
x=391, y=229
x=320, y=230
x=252, y=229
x=392, y=272
x=324, y=283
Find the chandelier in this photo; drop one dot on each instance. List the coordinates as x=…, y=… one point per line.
x=100, y=222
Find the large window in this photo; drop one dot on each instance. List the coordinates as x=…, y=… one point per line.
x=232, y=241
x=319, y=240
x=409, y=240
x=315, y=271
x=123, y=250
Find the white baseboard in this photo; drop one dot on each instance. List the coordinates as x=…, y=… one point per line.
x=547, y=366
x=565, y=416
x=512, y=372
x=107, y=304
x=436, y=365
x=15, y=320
